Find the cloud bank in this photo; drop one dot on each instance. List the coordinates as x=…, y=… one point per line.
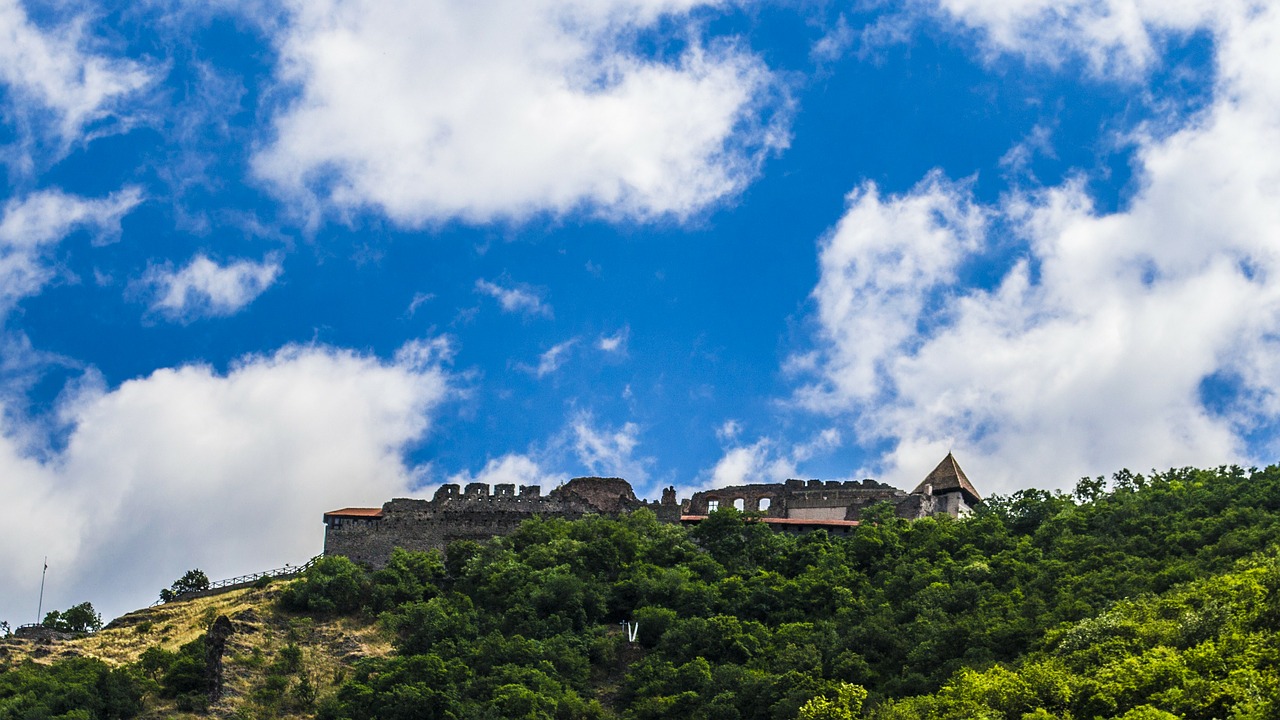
x=188, y=467
x=1143, y=337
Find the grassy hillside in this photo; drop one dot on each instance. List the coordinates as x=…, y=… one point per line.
x=262, y=632
x=1126, y=599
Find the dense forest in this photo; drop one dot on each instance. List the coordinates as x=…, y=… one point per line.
x=1139, y=597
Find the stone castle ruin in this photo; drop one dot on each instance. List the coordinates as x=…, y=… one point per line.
x=478, y=512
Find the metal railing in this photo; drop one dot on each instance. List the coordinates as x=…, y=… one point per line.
x=254, y=577
x=243, y=580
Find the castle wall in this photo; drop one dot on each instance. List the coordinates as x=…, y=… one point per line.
x=477, y=512
x=751, y=495
x=803, y=500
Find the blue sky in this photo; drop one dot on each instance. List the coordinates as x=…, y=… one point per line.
x=262, y=260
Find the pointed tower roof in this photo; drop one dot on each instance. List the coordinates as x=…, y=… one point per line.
x=948, y=477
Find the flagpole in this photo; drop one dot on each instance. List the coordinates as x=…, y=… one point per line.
x=40, y=607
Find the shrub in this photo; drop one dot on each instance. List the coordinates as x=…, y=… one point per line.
x=333, y=584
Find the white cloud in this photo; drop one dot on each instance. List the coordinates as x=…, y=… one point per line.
x=32, y=224
x=1118, y=37
x=1091, y=352
x=432, y=111
x=729, y=430
x=610, y=451
x=418, y=299
x=551, y=360
x=767, y=460
x=512, y=468
x=755, y=463
x=616, y=343
x=56, y=70
x=189, y=467
x=878, y=268
x=206, y=289
x=834, y=44
x=821, y=443
x=520, y=299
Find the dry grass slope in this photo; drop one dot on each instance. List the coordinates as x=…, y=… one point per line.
x=328, y=647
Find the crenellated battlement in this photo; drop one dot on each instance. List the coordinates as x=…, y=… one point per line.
x=476, y=511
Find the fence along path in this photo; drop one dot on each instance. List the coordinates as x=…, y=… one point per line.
x=240, y=581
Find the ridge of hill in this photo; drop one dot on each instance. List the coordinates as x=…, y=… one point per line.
x=1142, y=597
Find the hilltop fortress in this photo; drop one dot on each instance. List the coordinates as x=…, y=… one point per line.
x=478, y=512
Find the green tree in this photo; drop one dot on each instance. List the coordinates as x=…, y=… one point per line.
x=192, y=581
x=74, y=688
x=77, y=618
x=846, y=705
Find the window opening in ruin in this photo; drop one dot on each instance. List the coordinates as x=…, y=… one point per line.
x=713, y=505
x=764, y=503
x=739, y=504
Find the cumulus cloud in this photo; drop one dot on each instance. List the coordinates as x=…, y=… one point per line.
x=56, y=70
x=188, y=467
x=519, y=299
x=433, y=111
x=767, y=460
x=33, y=224
x=756, y=463
x=1096, y=350
x=206, y=289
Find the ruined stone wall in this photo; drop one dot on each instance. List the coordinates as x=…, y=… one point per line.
x=750, y=495
x=799, y=499
x=477, y=512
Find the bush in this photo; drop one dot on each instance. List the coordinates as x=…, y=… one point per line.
x=333, y=584
x=181, y=674
x=79, y=687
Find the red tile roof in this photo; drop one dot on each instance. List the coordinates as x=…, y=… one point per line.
x=355, y=513
x=783, y=521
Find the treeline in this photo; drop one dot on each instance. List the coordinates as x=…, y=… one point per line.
x=1207, y=649
x=738, y=621
x=1141, y=597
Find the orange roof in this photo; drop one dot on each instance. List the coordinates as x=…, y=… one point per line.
x=355, y=513
x=782, y=521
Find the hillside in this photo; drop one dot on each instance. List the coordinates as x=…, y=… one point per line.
x=262, y=635
x=1127, y=599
